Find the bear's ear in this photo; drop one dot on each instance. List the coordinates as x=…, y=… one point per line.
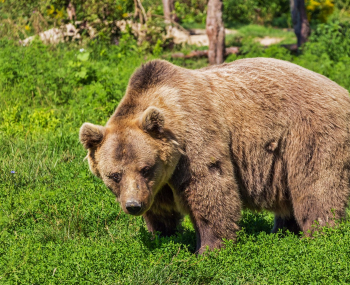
x=91, y=135
x=152, y=121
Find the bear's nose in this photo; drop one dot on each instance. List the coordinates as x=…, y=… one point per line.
x=133, y=207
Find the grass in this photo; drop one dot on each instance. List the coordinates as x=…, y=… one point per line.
x=258, y=31
x=252, y=31
x=60, y=224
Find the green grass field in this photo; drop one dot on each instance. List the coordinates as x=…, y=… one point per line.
x=60, y=224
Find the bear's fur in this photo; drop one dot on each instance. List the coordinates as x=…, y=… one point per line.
x=255, y=133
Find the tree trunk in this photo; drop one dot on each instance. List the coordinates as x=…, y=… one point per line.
x=169, y=11
x=140, y=12
x=215, y=32
x=71, y=11
x=300, y=22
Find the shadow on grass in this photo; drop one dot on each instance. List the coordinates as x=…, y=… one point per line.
x=184, y=237
x=253, y=224
x=256, y=222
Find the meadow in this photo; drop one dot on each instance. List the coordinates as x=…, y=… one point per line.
x=60, y=224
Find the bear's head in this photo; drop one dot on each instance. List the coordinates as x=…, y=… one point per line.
x=135, y=157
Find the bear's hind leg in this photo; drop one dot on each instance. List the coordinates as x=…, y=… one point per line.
x=321, y=203
x=312, y=213
x=163, y=216
x=318, y=174
x=284, y=224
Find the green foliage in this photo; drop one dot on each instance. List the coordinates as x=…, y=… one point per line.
x=73, y=73
x=157, y=50
x=342, y=11
x=253, y=32
x=332, y=39
x=103, y=14
x=16, y=120
x=22, y=18
x=328, y=52
x=191, y=12
x=319, y=10
x=236, y=12
x=274, y=12
x=90, y=10
x=35, y=91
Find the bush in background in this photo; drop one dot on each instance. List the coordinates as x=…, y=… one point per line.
x=319, y=10
x=328, y=52
x=91, y=80
x=23, y=18
x=274, y=12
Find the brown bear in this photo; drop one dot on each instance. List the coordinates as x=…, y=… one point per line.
x=256, y=133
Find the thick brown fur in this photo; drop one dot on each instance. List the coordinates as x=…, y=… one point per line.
x=256, y=133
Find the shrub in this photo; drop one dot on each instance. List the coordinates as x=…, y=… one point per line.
x=257, y=11
x=319, y=10
x=235, y=12
x=22, y=18
x=328, y=52
x=191, y=11
x=332, y=39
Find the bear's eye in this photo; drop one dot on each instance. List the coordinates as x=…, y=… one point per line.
x=115, y=177
x=146, y=171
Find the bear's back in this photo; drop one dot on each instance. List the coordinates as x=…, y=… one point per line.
x=265, y=89
x=264, y=77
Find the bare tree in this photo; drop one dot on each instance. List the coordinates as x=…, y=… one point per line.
x=300, y=22
x=215, y=32
x=169, y=11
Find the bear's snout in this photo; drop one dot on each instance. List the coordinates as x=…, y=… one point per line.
x=133, y=207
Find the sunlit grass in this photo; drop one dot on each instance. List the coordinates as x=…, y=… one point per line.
x=247, y=32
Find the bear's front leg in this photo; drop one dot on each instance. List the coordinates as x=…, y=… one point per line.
x=163, y=216
x=215, y=209
x=206, y=236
